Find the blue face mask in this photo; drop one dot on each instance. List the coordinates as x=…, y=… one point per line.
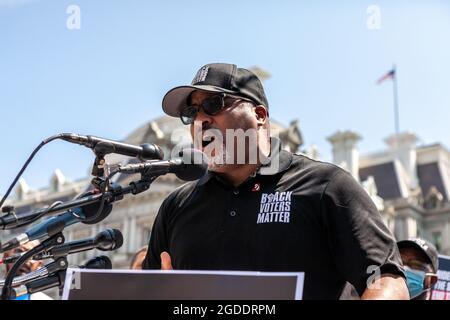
x=415, y=280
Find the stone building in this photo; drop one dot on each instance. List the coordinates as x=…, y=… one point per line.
x=409, y=183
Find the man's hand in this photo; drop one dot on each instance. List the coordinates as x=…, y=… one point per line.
x=166, y=262
x=387, y=287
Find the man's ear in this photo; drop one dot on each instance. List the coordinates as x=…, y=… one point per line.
x=261, y=114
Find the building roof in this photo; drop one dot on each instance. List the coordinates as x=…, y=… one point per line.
x=432, y=168
x=386, y=179
x=430, y=176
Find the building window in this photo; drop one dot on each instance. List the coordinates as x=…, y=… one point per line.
x=411, y=228
x=437, y=239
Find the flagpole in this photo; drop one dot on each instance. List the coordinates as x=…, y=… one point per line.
x=396, y=111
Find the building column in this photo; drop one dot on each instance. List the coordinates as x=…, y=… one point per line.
x=345, y=152
x=403, y=146
x=126, y=234
x=132, y=239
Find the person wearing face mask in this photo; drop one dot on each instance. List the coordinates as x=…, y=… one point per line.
x=420, y=259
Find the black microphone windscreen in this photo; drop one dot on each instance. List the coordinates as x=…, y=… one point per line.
x=118, y=237
x=109, y=239
x=101, y=262
x=151, y=151
x=91, y=210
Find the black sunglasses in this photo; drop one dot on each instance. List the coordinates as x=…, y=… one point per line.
x=211, y=106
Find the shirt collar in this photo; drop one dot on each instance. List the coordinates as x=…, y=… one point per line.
x=278, y=161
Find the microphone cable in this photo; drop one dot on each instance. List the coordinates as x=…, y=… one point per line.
x=27, y=162
x=43, y=213
x=44, y=142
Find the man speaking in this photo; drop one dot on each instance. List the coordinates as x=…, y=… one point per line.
x=263, y=209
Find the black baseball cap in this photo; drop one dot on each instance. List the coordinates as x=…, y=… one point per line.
x=217, y=77
x=423, y=246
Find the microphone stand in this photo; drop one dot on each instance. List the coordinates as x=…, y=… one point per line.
x=45, y=245
x=54, y=280
x=44, y=271
x=105, y=192
x=115, y=193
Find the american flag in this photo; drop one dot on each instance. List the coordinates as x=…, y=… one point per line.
x=389, y=75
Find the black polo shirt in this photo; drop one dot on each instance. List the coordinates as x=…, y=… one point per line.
x=303, y=215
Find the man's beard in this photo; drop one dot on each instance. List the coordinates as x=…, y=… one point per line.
x=216, y=150
x=230, y=154
x=220, y=160
x=235, y=147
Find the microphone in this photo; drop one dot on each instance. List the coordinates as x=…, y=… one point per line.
x=191, y=165
x=107, y=240
x=58, y=278
x=100, y=262
x=54, y=225
x=103, y=146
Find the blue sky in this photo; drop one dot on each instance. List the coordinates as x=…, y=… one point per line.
x=109, y=77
